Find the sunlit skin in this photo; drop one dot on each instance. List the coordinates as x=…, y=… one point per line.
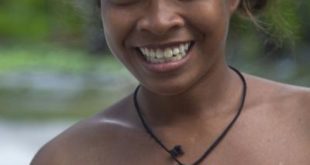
x=187, y=101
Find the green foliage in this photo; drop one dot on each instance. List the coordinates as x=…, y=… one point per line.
x=53, y=58
x=28, y=101
x=282, y=21
x=25, y=18
x=38, y=19
x=304, y=14
x=65, y=20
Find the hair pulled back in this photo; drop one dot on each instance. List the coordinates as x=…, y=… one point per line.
x=251, y=7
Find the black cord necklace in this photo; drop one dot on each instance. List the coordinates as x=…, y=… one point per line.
x=177, y=150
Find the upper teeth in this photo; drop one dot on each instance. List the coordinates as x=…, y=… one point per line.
x=167, y=54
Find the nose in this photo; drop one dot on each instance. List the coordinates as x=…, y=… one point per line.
x=160, y=18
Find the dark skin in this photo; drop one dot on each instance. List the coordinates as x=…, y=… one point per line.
x=188, y=104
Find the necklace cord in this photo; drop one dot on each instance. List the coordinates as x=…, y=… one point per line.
x=217, y=140
x=226, y=130
x=148, y=129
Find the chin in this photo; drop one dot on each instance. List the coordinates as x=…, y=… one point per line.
x=167, y=89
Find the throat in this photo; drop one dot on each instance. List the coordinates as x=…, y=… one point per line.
x=177, y=150
x=208, y=99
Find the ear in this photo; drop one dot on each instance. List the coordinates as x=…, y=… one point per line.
x=233, y=5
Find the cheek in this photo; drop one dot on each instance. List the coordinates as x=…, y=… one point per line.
x=211, y=26
x=117, y=25
x=207, y=17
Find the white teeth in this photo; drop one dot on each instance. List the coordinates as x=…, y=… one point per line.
x=186, y=46
x=168, y=53
x=159, y=53
x=182, y=48
x=165, y=55
x=146, y=51
x=151, y=54
x=176, y=50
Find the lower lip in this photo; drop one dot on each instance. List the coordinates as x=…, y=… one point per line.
x=167, y=66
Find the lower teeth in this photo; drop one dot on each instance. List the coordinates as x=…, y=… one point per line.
x=162, y=60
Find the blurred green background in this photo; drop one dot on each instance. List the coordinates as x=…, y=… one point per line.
x=55, y=68
x=54, y=62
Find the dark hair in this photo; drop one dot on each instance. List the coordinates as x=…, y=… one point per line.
x=252, y=6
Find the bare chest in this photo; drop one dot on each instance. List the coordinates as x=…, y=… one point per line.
x=245, y=152
x=253, y=140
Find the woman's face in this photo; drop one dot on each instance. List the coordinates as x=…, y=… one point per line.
x=168, y=45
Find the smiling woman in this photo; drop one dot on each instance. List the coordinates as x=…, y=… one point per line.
x=190, y=106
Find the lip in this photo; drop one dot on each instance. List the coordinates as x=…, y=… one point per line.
x=167, y=66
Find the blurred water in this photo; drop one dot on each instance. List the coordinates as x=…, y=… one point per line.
x=50, y=95
x=20, y=141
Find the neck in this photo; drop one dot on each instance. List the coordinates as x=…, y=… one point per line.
x=216, y=93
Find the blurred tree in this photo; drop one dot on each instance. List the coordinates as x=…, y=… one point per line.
x=283, y=29
x=78, y=22
x=38, y=20
x=69, y=22
x=274, y=32
x=66, y=24
x=23, y=19
x=93, y=31
x=304, y=13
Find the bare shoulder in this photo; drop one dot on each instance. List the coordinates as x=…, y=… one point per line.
x=282, y=100
x=280, y=93
x=90, y=140
x=275, y=120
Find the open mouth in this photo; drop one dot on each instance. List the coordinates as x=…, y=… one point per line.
x=167, y=54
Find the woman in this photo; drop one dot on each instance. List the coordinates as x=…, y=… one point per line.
x=191, y=108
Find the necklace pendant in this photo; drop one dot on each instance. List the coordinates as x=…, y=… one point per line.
x=177, y=151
